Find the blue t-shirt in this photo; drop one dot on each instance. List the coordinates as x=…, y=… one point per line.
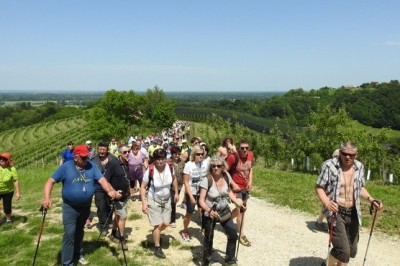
x=78, y=186
x=67, y=155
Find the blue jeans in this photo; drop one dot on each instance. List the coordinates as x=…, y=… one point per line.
x=74, y=219
x=231, y=233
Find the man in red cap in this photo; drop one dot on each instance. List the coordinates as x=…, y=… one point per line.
x=78, y=177
x=9, y=182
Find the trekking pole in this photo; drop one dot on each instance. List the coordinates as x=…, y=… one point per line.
x=44, y=211
x=240, y=232
x=106, y=223
x=213, y=208
x=120, y=239
x=332, y=224
x=372, y=226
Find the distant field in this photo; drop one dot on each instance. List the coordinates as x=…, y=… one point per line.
x=33, y=103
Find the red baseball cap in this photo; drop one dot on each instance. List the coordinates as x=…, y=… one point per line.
x=81, y=150
x=7, y=155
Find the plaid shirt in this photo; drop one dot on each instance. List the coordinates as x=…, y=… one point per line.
x=329, y=179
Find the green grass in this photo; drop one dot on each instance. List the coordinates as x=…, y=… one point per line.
x=296, y=190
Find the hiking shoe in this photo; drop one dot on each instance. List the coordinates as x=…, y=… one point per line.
x=173, y=225
x=244, y=241
x=83, y=261
x=114, y=239
x=159, y=253
x=185, y=236
x=9, y=221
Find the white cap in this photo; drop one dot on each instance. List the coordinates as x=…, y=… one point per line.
x=88, y=142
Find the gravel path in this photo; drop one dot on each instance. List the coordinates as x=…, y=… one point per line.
x=279, y=236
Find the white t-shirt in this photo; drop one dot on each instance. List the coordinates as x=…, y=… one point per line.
x=196, y=172
x=160, y=187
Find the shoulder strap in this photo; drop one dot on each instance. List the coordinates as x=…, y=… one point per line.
x=233, y=168
x=210, y=182
x=151, y=172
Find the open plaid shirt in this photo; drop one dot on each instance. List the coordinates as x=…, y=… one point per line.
x=329, y=179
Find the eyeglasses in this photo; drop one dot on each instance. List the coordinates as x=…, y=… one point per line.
x=125, y=152
x=244, y=148
x=199, y=154
x=345, y=154
x=216, y=165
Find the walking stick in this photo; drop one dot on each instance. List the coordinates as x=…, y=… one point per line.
x=213, y=208
x=331, y=227
x=44, y=211
x=106, y=223
x=240, y=232
x=120, y=238
x=372, y=226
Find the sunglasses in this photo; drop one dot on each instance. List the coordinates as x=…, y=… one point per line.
x=244, y=148
x=3, y=159
x=199, y=154
x=345, y=154
x=216, y=165
x=84, y=158
x=125, y=152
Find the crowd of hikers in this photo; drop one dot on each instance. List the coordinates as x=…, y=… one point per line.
x=156, y=168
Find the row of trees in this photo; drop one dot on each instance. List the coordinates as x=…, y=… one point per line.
x=373, y=104
x=311, y=145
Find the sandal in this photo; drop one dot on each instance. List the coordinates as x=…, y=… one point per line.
x=244, y=241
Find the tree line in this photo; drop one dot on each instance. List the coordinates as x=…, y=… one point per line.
x=373, y=104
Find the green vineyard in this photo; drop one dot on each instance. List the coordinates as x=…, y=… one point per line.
x=42, y=143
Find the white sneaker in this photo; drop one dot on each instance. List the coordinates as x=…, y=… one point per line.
x=83, y=261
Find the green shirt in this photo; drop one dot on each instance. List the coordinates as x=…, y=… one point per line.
x=7, y=177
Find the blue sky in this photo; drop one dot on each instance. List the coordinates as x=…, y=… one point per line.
x=226, y=45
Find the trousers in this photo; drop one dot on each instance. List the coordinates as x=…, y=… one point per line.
x=73, y=219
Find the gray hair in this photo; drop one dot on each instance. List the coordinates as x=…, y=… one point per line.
x=348, y=145
x=217, y=159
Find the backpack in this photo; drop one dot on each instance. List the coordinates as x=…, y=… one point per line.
x=151, y=172
x=233, y=168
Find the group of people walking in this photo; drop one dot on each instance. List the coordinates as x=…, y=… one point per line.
x=158, y=169
x=217, y=188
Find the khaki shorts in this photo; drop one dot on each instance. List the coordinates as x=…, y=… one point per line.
x=120, y=209
x=158, y=212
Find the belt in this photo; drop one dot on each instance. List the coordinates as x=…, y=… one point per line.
x=346, y=211
x=160, y=201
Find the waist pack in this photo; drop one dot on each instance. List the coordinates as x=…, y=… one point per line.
x=224, y=214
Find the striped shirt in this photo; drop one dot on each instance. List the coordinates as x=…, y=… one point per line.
x=329, y=179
